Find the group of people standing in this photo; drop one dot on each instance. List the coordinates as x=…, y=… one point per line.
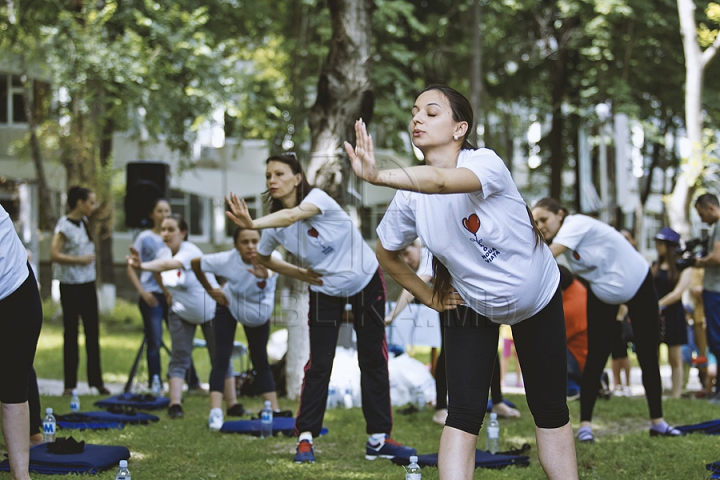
x=493, y=263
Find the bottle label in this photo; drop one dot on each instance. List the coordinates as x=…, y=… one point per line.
x=493, y=432
x=266, y=417
x=49, y=427
x=413, y=476
x=74, y=406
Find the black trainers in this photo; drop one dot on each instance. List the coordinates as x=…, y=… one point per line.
x=236, y=410
x=175, y=411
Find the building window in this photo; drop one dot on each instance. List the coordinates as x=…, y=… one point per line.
x=12, y=102
x=195, y=210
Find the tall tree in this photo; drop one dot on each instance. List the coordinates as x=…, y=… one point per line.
x=696, y=62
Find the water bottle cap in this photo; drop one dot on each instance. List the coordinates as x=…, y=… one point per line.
x=413, y=459
x=493, y=416
x=267, y=403
x=123, y=463
x=48, y=410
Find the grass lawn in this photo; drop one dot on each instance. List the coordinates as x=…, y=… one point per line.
x=186, y=449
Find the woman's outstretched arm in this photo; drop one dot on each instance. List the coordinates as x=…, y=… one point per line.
x=423, y=179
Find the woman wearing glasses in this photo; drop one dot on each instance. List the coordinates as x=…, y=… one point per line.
x=341, y=269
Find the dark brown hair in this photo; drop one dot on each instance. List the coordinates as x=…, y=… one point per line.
x=707, y=199
x=552, y=206
x=301, y=191
x=76, y=194
x=671, y=258
x=461, y=109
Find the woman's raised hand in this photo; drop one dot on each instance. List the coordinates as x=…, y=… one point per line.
x=238, y=213
x=362, y=158
x=258, y=270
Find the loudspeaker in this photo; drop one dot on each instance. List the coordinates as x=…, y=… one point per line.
x=145, y=183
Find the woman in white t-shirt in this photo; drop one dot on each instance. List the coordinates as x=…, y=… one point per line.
x=341, y=269
x=152, y=303
x=190, y=304
x=72, y=252
x=248, y=297
x=20, y=323
x=617, y=274
x=489, y=267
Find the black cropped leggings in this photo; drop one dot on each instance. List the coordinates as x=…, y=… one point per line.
x=643, y=312
x=471, y=342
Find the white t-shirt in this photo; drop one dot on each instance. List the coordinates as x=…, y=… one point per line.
x=425, y=267
x=148, y=244
x=601, y=255
x=77, y=243
x=252, y=299
x=328, y=243
x=13, y=257
x=190, y=301
x=484, y=238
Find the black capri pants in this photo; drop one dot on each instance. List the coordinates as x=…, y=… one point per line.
x=20, y=324
x=470, y=347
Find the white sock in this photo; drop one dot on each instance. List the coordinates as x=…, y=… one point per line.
x=305, y=436
x=376, y=438
x=216, y=411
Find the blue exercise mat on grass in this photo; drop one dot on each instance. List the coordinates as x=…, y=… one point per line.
x=141, y=402
x=283, y=425
x=714, y=468
x=94, y=459
x=103, y=420
x=506, y=402
x=711, y=427
x=483, y=459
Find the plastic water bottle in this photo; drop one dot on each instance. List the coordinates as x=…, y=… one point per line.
x=123, y=473
x=49, y=425
x=412, y=471
x=266, y=421
x=74, y=402
x=332, y=397
x=347, y=398
x=492, y=443
x=419, y=398
x=156, y=387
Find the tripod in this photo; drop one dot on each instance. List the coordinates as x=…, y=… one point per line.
x=136, y=363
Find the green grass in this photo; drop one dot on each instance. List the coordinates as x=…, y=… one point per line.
x=185, y=448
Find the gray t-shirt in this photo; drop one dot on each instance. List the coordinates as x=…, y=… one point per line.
x=711, y=280
x=77, y=243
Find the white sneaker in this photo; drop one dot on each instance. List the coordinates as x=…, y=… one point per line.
x=215, y=420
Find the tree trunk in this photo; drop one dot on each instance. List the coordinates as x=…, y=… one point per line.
x=43, y=190
x=344, y=95
x=476, y=71
x=678, y=205
x=555, y=137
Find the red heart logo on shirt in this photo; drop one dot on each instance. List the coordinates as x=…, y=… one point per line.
x=179, y=273
x=471, y=223
x=262, y=284
x=313, y=233
x=576, y=255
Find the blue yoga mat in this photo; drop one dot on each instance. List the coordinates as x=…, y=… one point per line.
x=714, y=468
x=283, y=425
x=506, y=402
x=94, y=459
x=141, y=402
x=483, y=459
x=103, y=420
x=711, y=427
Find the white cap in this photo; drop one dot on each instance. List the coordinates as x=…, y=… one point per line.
x=267, y=403
x=413, y=459
x=123, y=463
x=493, y=416
x=48, y=411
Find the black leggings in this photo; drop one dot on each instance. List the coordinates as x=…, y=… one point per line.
x=81, y=301
x=257, y=337
x=643, y=310
x=20, y=323
x=472, y=341
x=441, y=375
